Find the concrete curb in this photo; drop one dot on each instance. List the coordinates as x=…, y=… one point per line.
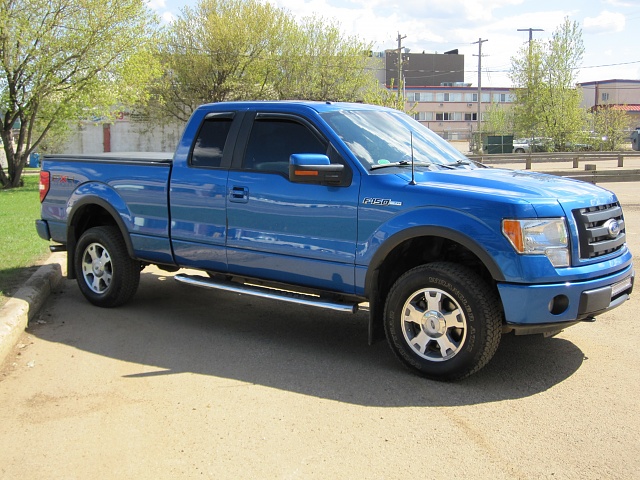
x=27, y=301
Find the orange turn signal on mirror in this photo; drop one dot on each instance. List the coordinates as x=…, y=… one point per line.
x=307, y=173
x=513, y=231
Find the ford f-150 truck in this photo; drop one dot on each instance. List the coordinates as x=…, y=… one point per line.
x=336, y=205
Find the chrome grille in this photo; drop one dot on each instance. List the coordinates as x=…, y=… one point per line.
x=601, y=230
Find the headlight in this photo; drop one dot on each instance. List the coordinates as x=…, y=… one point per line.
x=539, y=236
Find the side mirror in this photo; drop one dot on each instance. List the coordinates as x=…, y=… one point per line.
x=314, y=168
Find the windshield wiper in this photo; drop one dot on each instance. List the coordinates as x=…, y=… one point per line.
x=401, y=163
x=471, y=162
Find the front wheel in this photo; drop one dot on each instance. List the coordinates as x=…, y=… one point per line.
x=106, y=275
x=443, y=321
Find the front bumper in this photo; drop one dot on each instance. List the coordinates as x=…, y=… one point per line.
x=550, y=306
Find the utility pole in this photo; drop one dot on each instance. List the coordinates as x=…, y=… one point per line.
x=530, y=30
x=479, y=42
x=400, y=38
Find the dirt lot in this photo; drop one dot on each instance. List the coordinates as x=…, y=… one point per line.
x=186, y=383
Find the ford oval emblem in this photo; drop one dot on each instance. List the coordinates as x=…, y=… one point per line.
x=613, y=227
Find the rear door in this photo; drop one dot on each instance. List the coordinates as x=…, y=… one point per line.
x=284, y=231
x=198, y=195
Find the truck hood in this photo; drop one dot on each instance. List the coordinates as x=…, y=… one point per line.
x=517, y=185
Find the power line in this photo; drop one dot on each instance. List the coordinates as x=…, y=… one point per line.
x=612, y=64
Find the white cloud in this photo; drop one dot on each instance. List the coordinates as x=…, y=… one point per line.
x=606, y=22
x=168, y=17
x=620, y=3
x=156, y=4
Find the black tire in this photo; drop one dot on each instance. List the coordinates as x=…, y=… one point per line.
x=443, y=321
x=106, y=275
x=519, y=150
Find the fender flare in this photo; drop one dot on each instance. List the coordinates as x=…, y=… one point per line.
x=89, y=200
x=430, y=231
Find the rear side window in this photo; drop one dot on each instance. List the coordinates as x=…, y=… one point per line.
x=209, y=145
x=273, y=141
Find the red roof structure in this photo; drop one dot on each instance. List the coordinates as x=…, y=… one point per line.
x=626, y=108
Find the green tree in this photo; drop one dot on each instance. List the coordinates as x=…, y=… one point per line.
x=527, y=76
x=61, y=60
x=225, y=50
x=377, y=94
x=319, y=63
x=544, y=76
x=611, y=126
x=499, y=120
x=219, y=50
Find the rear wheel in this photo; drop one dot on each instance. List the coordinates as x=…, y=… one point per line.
x=106, y=275
x=443, y=321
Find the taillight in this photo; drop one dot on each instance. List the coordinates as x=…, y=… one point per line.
x=44, y=184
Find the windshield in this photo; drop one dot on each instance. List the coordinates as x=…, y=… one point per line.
x=382, y=137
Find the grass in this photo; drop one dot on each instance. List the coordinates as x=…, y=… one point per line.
x=21, y=249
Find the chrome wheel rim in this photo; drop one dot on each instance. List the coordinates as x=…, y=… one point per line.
x=433, y=324
x=97, y=268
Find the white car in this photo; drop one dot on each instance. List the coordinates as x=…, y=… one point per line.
x=523, y=145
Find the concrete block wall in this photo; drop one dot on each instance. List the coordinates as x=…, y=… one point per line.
x=123, y=136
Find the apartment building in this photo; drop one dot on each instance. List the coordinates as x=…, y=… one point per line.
x=436, y=94
x=452, y=110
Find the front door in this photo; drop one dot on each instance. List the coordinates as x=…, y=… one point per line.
x=290, y=232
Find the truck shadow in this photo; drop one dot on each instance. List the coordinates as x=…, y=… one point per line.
x=170, y=328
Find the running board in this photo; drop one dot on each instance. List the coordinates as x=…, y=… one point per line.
x=270, y=293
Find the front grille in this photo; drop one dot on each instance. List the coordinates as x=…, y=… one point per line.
x=601, y=230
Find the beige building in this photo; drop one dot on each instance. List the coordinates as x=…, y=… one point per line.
x=617, y=94
x=610, y=92
x=436, y=94
x=452, y=110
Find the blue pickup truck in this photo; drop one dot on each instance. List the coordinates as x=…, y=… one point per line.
x=335, y=205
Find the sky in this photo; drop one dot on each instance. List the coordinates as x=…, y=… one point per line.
x=610, y=29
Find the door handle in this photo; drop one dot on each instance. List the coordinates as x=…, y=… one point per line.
x=239, y=194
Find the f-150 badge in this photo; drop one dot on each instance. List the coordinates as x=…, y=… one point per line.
x=380, y=201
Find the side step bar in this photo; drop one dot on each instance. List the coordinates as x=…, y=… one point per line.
x=273, y=294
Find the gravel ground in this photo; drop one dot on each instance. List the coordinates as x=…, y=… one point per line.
x=186, y=383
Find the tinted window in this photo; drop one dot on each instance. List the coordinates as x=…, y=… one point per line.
x=208, y=147
x=273, y=141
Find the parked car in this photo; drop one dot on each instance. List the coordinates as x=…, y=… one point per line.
x=527, y=145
